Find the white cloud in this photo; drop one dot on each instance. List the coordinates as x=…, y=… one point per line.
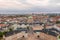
x=58, y=4
x=12, y=4
x=38, y=2
x=21, y=4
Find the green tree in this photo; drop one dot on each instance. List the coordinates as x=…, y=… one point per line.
x=10, y=29
x=1, y=35
x=57, y=22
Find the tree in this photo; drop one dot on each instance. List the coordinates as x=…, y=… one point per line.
x=10, y=29
x=1, y=35
x=57, y=22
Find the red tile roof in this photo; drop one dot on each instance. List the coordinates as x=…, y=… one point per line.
x=2, y=25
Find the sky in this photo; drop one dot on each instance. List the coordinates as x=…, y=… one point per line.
x=22, y=6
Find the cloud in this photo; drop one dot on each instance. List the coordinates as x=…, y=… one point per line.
x=54, y=3
x=13, y=4
x=38, y=2
x=22, y=3
x=46, y=5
